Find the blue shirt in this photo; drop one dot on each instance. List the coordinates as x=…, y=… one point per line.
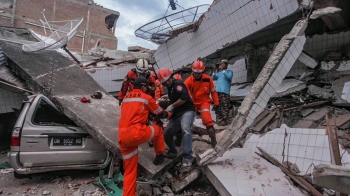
x=224, y=79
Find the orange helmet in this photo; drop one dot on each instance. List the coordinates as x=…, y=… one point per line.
x=198, y=66
x=177, y=77
x=164, y=74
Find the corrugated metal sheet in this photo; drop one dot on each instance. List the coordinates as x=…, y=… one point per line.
x=2, y=58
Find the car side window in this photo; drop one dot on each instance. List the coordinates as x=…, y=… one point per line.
x=45, y=114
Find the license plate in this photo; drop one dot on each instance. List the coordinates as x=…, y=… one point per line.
x=67, y=141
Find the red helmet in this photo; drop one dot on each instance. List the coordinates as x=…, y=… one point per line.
x=153, y=73
x=164, y=74
x=177, y=77
x=198, y=66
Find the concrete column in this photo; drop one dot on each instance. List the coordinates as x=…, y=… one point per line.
x=54, y=11
x=87, y=26
x=13, y=13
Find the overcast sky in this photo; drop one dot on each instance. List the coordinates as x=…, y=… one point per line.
x=135, y=13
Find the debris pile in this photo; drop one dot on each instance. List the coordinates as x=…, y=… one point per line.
x=297, y=120
x=99, y=57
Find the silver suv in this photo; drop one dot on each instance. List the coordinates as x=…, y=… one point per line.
x=44, y=139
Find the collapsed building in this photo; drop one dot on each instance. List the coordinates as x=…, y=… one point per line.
x=290, y=61
x=290, y=87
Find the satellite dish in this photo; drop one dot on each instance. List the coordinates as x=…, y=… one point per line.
x=160, y=30
x=57, y=39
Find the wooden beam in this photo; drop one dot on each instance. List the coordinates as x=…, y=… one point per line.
x=307, y=186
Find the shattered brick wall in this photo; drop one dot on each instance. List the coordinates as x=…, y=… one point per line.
x=58, y=10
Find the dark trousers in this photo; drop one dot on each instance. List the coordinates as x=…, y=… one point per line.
x=223, y=112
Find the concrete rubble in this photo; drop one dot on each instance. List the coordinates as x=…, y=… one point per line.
x=54, y=75
x=284, y=118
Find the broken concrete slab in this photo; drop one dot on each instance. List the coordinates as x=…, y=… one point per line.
x=296, y=178
x=241, y=172
x=327, y=65
x=146, y=157
x=180, y=185
x=307, y=60
x=69, y=84
x=320, y=92
x=346, y=92
x=122, y=56
x=289, y=86
x=332, y=177
x=305, y=146
x=312, y=120
x=338, y=86
x=344, y=66
x=36, y=70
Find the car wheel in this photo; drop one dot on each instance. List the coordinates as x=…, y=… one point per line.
x=21, y=176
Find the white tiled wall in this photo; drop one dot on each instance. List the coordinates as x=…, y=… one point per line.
x=227, y=21
x=239, y=71
x=9, y=100
x=105, y=76
x=317, y=45
x=303, y=147
x=297, y=69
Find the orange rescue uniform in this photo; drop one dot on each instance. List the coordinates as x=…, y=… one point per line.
x=159, y=91
x=127, y=85
x=200, y=91
x=133, y=131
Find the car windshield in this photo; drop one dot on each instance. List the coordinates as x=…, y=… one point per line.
x=45, y=114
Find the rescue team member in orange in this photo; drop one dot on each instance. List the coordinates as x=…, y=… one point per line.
x=140, y=70
x=159, y=91
x=200, y=86
x=133, y=131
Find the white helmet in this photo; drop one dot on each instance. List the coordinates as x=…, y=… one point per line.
x=142, y=66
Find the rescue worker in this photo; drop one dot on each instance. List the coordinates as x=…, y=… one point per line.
x=179, y=133
x=159, y=91
x=223, y=87
x=200, y=87
x=182, y=108
x=140, y=70
x=133, y=131
x=177, y=77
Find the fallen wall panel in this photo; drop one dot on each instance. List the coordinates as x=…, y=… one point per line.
x=69, y=83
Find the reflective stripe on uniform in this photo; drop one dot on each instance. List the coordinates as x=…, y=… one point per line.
x=204, y=110
x=135, y=100
x=152, y=128
x=212, y=90
x=165, y=79
x=157, y=111
x=197, y=70
x=128, y=156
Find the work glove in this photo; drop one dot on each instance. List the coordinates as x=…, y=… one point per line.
x=170, y=108
x=215, y=109
x=165, y=115
x=120, y=102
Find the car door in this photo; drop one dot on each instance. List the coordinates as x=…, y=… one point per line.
x=50, y=138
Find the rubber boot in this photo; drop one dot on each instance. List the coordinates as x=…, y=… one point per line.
x=159, y=159
x=211, y=133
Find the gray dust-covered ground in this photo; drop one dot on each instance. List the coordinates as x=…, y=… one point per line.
x=51, y=183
